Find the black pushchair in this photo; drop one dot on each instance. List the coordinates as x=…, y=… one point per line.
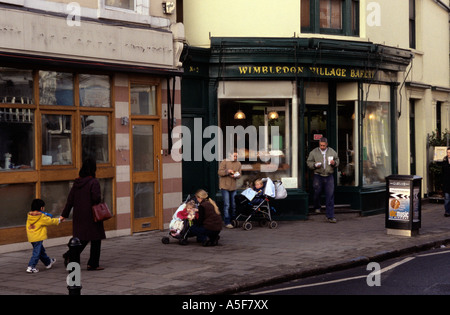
x=259, y=210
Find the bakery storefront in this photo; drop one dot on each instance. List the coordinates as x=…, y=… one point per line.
x=307, y=89
x=59, y=106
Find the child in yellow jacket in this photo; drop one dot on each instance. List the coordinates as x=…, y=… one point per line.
x=36, y=226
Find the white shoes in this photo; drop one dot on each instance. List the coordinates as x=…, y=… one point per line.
x=35, y=270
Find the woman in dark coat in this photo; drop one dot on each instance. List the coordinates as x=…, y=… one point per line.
x=446, y=182
x=209, y=223
x=84, y=194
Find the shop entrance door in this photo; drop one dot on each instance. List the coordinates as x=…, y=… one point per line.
x=316, y=118
x=146, y=176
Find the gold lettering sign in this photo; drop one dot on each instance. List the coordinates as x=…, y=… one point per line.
x=337, y=72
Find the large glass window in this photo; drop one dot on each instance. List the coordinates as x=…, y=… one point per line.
x=15, y=203
x=16, y=139
x=262, y=138
x=55, y=195
x=376, y=154
x=94, y=138
x=56, y=139
x=16, y=86
x=347, y=144
x=55, y=88
x=95, y=90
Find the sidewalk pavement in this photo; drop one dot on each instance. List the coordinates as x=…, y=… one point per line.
x=141, y=264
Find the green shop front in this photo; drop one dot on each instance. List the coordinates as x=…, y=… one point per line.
x=306, y=88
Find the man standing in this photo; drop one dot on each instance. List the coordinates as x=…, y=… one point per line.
x=323, y=160
x=229, y=172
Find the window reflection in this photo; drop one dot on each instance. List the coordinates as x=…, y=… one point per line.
x=264, y=145
x=55, y=88
x=347, y=134
x=16, y=138
x=15, y=203
x=94, y=138
x=143, y=99
x=376, y=143
x=16, y=86
x=95, y=90
x=143, y=154
x=56, y=139
x=331, y=14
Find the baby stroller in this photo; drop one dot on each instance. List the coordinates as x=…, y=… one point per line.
x=258, y=210
x=179, y=228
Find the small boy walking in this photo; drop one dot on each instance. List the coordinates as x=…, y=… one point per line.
x=36, y=226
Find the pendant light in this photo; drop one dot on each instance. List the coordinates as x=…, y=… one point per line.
x=239, y=115
x=272, y=115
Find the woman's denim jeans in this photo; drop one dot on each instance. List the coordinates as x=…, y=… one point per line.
x=228, y=202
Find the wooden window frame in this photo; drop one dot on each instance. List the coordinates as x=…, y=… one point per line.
x=48, y=173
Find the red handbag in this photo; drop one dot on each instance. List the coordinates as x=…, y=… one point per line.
x=101, y=212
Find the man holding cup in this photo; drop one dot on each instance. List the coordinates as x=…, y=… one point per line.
x=323, y=160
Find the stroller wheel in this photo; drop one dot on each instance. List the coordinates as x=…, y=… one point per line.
x=235, y=223
x=273, y=224
x=183, y=241
x=247, y=226
x=165, y=240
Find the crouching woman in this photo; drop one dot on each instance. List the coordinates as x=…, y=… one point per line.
x=209, y=223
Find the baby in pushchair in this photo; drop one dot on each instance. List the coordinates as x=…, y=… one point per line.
x=181, y=222
x=254, y=205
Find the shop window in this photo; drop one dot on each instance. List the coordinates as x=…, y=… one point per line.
x=347, y=146
x=376, y=154
x=143, y=99
x=55, y=195
x=56, y=139
x=340, y=17
x=55, y=88
x=15, y=203
x=16, y=86
x=262, y=138
x=16, y=139
x=95, y=138
x=95, y=90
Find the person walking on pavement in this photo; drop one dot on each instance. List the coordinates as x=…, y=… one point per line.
x=84, y=194
x=37, y=222
x=323, y=160
x=446, y=182
x=229, y=171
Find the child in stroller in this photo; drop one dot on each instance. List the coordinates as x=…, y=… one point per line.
x=254, y=204
x=181, y=222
